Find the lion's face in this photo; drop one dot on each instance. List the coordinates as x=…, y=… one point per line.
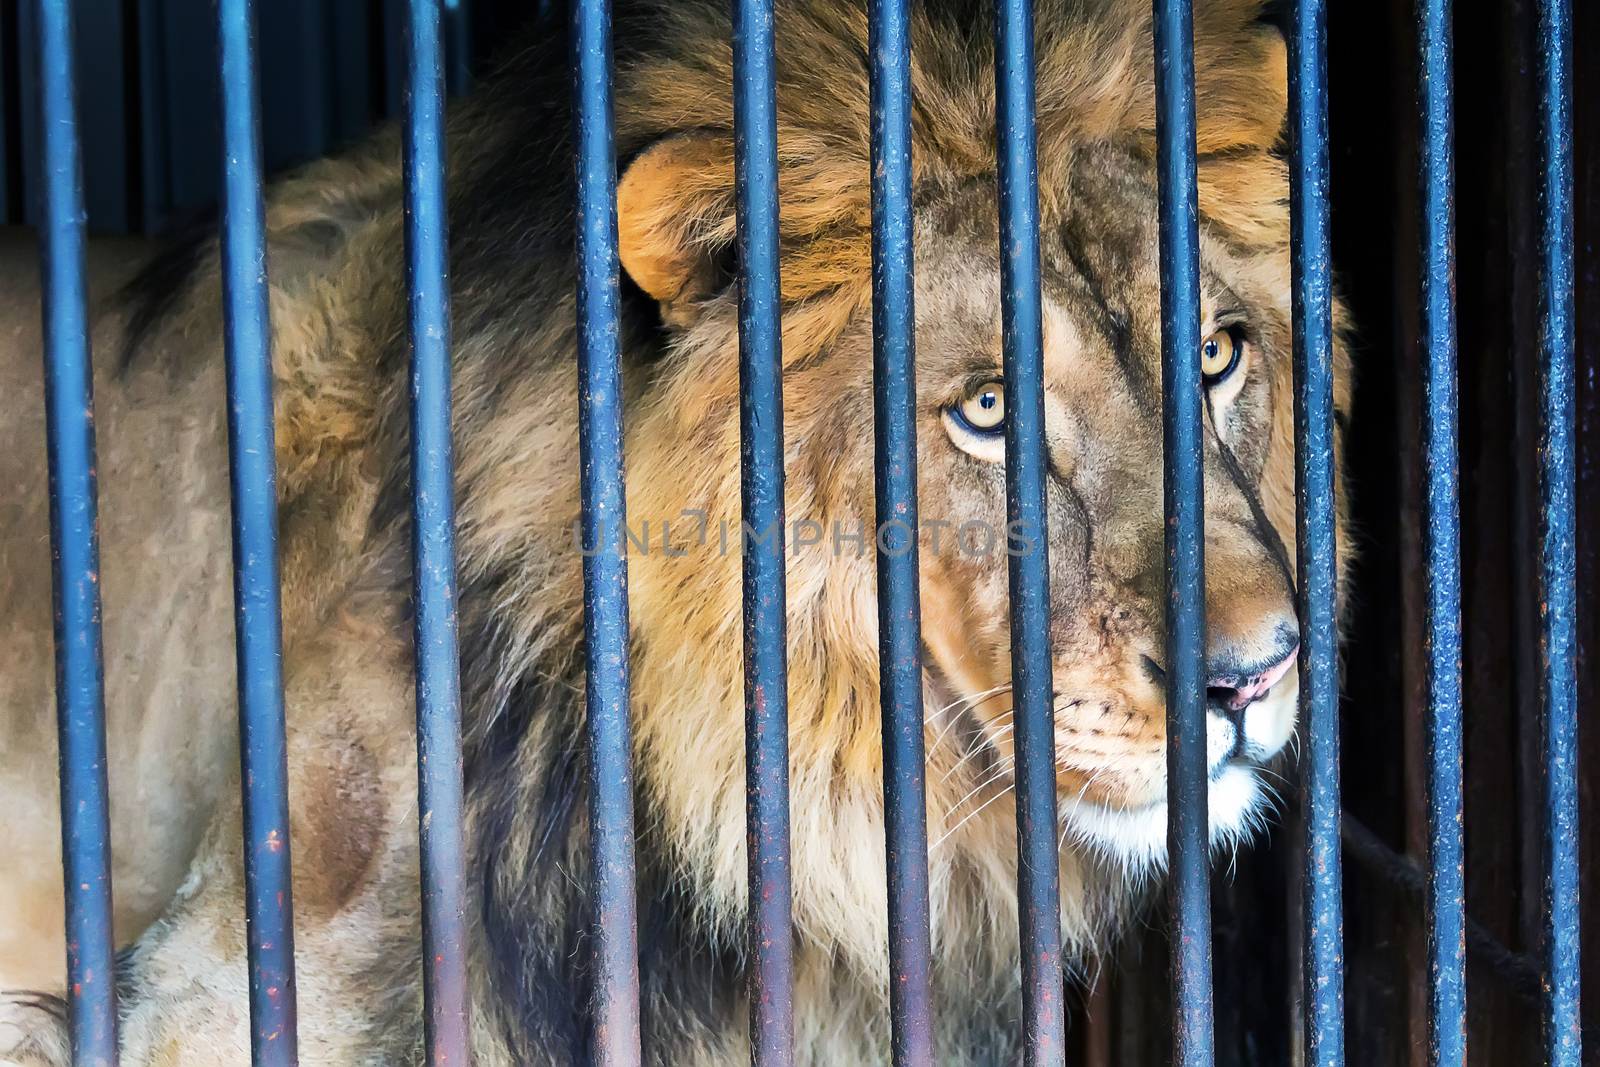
x=1105, y=538
x=1104, y=491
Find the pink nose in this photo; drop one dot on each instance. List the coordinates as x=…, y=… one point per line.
x=1238, y=690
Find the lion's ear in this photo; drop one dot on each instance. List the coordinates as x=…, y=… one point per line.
x=1241, y=98
x=675, y=220
x=1241, y=89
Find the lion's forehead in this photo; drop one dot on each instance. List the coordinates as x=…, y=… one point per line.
x=1099, y=260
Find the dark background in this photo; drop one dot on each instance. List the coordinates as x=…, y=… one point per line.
x=147, y=75
x=330, y=68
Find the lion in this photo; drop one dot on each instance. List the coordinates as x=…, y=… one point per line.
x=340, y=352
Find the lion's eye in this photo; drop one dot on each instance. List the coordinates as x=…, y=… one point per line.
x=983, y=411
x=1219, y=356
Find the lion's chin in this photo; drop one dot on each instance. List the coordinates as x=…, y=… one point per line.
x=1135, y=839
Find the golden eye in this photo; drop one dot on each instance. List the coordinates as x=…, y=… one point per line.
x=984, y=409
x=1219, y=356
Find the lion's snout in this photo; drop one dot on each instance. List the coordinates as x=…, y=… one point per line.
x=1236, y=687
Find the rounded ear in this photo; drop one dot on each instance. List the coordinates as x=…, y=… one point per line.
x=1241, y=100
x=1241, y=89
x=675, y=218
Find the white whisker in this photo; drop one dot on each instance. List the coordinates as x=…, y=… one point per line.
x=970, y=815
x=956, y=708
x=983, y=741
x=999, y=773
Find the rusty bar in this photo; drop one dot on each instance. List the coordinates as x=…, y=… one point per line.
x=1316, y=527
x=615, y=941
x=75, y=545
x=269, y=905
x=1558, y=536
x=438, y=671
x=899, y=604
x=766, y=675
x=1442, y=547
x=1188, y=842
x=1022, y=338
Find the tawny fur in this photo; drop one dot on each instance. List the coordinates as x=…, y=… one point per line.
x=339, y=359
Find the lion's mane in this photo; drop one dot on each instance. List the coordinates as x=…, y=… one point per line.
x=340, y=362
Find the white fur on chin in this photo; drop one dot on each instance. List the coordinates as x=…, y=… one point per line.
x=1136, y=839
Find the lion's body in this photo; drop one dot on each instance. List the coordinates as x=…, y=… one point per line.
x=170, y=697
x=163, y=490
x=340, y=354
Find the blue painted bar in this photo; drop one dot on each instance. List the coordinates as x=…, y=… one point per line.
x=1446, y=895
x=899, y=602
x=433, y=544
x=75, y=549
x=103, y=68
x=269, y=907
x=1022, y=341
x=615, y=940
x=1317, y=531
x=1183, y=438
x=1558, y=536
x=766, y=669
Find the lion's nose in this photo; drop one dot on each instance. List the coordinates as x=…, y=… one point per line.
x=1236, y=686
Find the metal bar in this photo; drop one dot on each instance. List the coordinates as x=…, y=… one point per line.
x=75, y=544
x=1447, y=978
x=438, y=669
x=1183, y=427
x=269, y=907
x=1022, y=340
x=615, y=936
x=1558, y=536
x=1317, y=532
x=766, y=671
x=899, y=603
